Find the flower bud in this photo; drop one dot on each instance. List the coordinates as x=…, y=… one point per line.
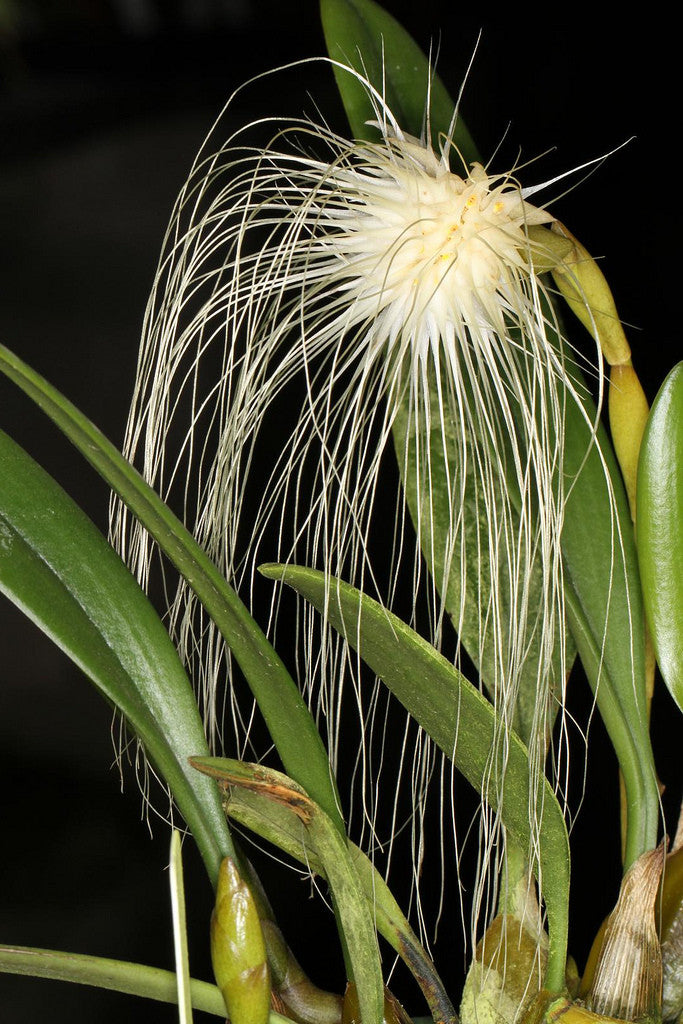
x=585, y=289
x=238, y=951
x=547, y=249
x=628, y=412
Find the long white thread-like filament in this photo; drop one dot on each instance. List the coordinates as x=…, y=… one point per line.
x=374, y=285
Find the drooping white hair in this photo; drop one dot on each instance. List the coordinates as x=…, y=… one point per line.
x=374, y=298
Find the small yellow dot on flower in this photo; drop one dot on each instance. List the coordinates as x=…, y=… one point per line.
x=497, y=207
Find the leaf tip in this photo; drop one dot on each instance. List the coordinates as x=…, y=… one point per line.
x=272, y=570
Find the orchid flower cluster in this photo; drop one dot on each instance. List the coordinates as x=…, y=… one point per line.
x=401, y=296
x=391, y=293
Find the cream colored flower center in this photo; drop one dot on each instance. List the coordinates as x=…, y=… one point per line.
x=437, y=245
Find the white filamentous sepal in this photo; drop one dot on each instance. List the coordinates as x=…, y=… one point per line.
x=355, y=277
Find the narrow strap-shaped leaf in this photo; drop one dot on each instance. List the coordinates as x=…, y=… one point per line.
x=57, y=567
x=659, y=523
x=460, y=721
x=602, y=593
x=113, y=975
x=360, y=34
x=467, y=594
x=605, y=613
x=289, y=721
x=354, y=914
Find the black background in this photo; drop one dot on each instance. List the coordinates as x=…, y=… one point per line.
x=100, y=116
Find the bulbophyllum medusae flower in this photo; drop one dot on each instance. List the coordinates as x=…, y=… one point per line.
x=312, y=293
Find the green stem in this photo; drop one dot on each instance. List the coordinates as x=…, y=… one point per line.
x=115, y=975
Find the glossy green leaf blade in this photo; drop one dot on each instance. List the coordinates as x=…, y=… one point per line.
x=605, y=613
x=113, y=975
x=433, y=483
x=603, y=603
x=460, y=721
x=289, y=721
x=279, y=824
x=353, y=911
x=659, y=522
x=57, y=567
x=360, y=34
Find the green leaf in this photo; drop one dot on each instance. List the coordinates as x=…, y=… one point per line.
x=467, y=594
x=605, y=614
x=659, y=522
x=57, y=567
x=288, y=719
x=113, y=975
x=361, y=35
x=602, y=593
x=460, y=721
x=280, y=824
x=353, y=910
